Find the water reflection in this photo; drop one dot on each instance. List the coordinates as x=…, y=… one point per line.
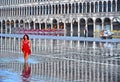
x=26, y=72
x=106, y=45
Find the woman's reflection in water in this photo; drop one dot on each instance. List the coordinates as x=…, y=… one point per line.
x=26, y=73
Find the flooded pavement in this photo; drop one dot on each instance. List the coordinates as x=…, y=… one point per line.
x=14, y=69
x=68, y=68
x=60, y=61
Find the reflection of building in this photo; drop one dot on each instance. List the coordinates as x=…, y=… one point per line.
x=70, y=15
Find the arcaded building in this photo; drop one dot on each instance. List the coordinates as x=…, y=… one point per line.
x=74, y=16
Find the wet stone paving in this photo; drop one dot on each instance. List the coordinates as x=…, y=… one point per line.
x=59, y=62
x=76, y=68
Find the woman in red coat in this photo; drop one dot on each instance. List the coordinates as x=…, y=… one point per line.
x=26, y=47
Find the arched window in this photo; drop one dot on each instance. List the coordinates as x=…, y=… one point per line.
x=80, y=11
x=25, y=10
x=66, y=8
x=69, y=8
x=41, y=10
x=49, y=9
x=88, y=7
x=100, y=6
x=28, y=10
x=118, y=5
x=20, y=11
x=96, y=6
x=59, y=9
x=35, y=10
x=62, y=9
x=53, y=9
x=76, y=7
x=109, y=6
x=38, y=10
x=92, y=7
x=32, y=10
x=113, y=6
x=84, y=8
x=44, y=9
x=73, y=8
x=56, y=9
x=104, y=4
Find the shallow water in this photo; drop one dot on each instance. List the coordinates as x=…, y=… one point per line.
x=67, y=69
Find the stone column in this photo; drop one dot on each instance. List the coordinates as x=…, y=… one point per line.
x=94, y=7
x=64, y=9
x=102, y=24
x=64, y=28
x=29, y=25
x=1, y=27
x=58, y=25
x=68, y=9
x=34, y=25
x=78, y=27
x=40, y=26
x=45, y=25
x=116, y=5
x=94, y=29
x=71, y=31
x=90, y=7
x=106, y=6
x=111, y=25
x=102, y=6
x=86, y=26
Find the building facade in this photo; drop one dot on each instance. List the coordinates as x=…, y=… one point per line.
x=74, y=16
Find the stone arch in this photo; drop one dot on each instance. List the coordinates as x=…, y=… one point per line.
x=8, y=23
x=3, y=26
x=48, y=22
x=55, y=24
x=75, y=27
x=12, y=23
x=36, y=24
x=68, y=27
x=82, y=26
x=116, y=23
x=21, y=23
x=42, y=24
x=98, y=27
x=61, y=24
x=17, y=24
x=90, y=27
x=32, y=25
x=107, y=24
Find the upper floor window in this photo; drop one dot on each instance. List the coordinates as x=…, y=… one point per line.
x=118, y=5
x=69, y=8
x=88, y=7
x=109, y=6
x=92, y=7
x=66, y=8
x=73, y=8
x=104, y=6
x=59, y=9
x=113, y=6
x=100, y=6
x=80, y=8
x=62, y=9
x=76, y=7
x=96, y=6
x=84, y=8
